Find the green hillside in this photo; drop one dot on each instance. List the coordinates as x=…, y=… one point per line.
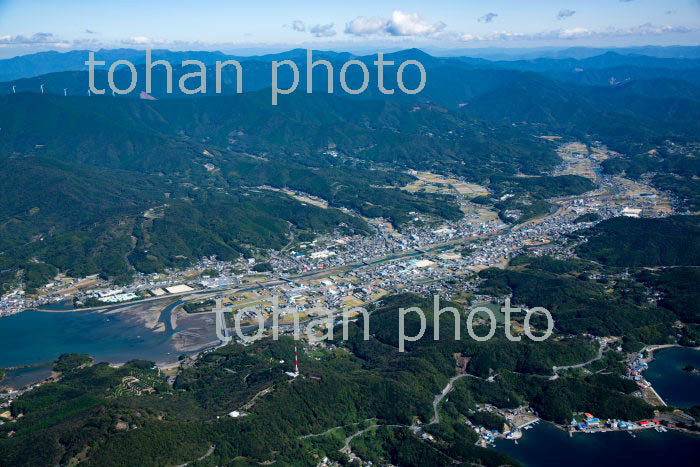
x=628, y=242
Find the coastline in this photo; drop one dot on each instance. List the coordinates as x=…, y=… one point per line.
x=546, y=445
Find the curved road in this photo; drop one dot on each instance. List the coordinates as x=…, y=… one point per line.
x=556, y=369
x=208, y=453
x=441, y=396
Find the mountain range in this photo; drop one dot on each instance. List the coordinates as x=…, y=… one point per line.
x=190, y=157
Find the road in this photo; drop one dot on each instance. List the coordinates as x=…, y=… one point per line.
x=330, y=430
x=556, y=369
x=209, y=453
x=346, y=448
x=318, y=274
x=441, y=396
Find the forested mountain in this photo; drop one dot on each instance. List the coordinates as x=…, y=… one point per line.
x=607, y=69
x=197, y=160
x=302, y=126
x=77, y=220
x=578, y=52
x=627, y=242
x=28, y=66
x=544, y=61
x=648, y=101
x=120, y=185
x=452, y=81
x=626, y=117
x=314, y=143
x=605, y=60
x=352, y=385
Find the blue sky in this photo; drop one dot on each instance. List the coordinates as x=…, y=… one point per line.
x=30, y=25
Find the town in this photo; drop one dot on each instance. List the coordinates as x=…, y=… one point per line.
x=345, y=271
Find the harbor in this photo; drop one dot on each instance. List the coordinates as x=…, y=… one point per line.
x=647, y=447
x=588, y=439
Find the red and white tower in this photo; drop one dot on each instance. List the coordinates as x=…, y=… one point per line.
x=296, y=360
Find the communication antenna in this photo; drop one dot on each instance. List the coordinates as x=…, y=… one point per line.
x=295, y=373
x=296, y=360
x=42, y=88
x=14, y=91
x=65, y=92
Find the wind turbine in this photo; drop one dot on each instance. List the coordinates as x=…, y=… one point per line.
x=42, y=88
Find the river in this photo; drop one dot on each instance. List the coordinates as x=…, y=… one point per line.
x=33, y=337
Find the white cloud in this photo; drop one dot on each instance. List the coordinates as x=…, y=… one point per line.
x=565, y=14
x=364, y=26
x=649, y=29
x=322, y=30
x=487, y=18
x=412, y=24
x=642, y=30
x=400, y=24
x=317, y=30
x=138, y=40
x=39, y=38
x=575, y=33
x=147, y=41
